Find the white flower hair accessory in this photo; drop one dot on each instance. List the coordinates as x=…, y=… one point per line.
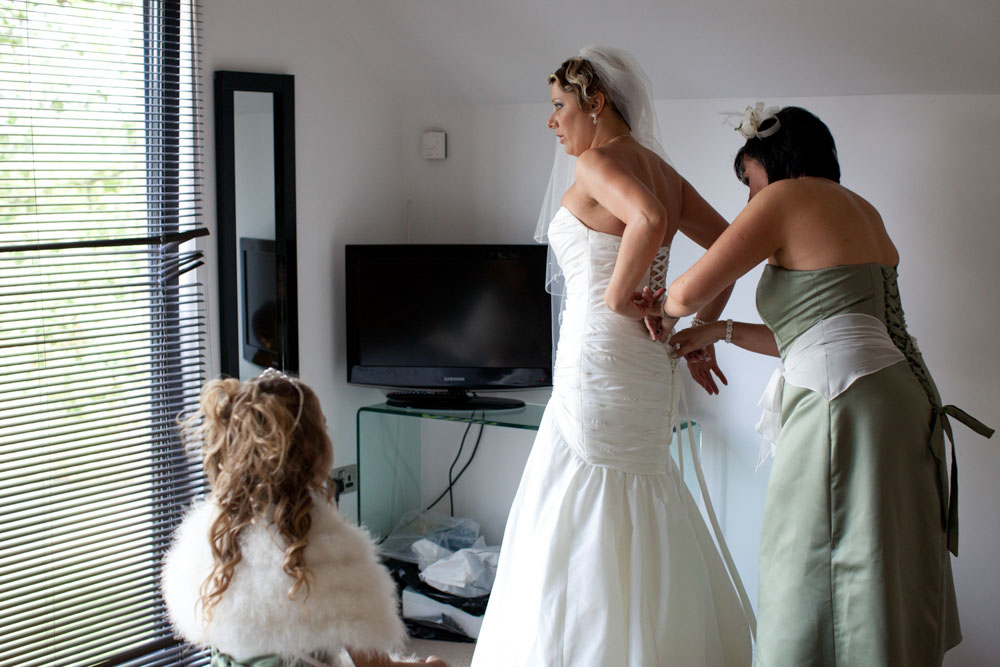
x=754, y=117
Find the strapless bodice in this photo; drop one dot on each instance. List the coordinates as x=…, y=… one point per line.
x=613, y=388
x=587, y=258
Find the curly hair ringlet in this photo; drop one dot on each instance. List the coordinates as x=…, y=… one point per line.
x=263, y=466
x=577, y=76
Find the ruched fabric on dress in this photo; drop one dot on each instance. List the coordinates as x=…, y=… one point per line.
x=606, y=559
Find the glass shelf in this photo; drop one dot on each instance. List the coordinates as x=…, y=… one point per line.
x=528, y=417
x=389, y=455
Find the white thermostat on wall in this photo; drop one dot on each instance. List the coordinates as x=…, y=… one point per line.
x=433, y=145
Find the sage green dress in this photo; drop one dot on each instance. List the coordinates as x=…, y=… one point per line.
x=854, y=562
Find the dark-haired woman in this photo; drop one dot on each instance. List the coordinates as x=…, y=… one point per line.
x=854, y=564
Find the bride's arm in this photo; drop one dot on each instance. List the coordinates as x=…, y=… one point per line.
x=701, y=223
x=603, y=179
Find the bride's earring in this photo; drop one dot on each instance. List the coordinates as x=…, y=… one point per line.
x=594, y=116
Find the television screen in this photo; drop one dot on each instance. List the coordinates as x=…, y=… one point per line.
x=448, y=316
x=260, y=301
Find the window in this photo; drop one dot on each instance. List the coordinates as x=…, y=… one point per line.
x=101, y=322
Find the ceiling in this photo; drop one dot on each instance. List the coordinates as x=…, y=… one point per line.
x=500, y=51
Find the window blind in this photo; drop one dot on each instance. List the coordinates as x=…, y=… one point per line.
x=101, y=323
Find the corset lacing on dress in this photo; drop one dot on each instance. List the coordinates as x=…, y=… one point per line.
x=896, y=325
x=658, y=268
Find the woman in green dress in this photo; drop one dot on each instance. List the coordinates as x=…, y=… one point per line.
x=860, y=512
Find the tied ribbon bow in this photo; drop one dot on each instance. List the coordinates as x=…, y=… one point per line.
x=949, y=511
x=770, y=427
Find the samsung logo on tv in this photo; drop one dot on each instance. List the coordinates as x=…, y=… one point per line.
x=453, y=379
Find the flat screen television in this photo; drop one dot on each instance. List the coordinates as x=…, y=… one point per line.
x=260, y=301
x=436, y=322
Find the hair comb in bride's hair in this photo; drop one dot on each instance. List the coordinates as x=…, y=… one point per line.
x=752, y=118
x=275, y=374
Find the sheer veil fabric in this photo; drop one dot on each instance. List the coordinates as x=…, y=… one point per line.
x=631, y=92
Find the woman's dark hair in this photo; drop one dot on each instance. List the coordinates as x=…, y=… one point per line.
x=802, y=146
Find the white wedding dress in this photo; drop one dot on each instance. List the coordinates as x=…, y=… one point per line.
x=606, y=560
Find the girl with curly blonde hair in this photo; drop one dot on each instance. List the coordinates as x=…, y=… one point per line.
x=265, y=570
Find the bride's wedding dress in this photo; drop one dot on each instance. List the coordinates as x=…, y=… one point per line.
x=606, y=559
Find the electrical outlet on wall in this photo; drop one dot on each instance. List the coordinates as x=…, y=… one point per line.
x=346, y=478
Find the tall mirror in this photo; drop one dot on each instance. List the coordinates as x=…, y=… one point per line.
x=255, y=185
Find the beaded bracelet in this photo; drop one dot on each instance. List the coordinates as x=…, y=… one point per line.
x=663, y=309
x=697, y=321
x=729, y=331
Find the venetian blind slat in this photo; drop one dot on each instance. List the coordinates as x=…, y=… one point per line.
x=102, y=323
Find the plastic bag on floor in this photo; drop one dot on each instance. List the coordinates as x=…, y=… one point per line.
x=449, y=533
x=466, y=573
x=444, y=572
x=427, y=552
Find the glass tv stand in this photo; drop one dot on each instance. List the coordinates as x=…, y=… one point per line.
x=389, y=455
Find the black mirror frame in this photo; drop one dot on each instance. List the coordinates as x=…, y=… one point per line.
x=282, y=86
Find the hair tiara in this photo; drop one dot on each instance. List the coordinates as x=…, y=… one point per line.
x=275, y=374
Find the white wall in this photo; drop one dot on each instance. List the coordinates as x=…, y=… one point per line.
x=487, y=191
x=489, y=187
x=926, y=162
x=347, y=173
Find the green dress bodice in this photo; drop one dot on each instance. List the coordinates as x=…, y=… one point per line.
x=790, y=302
x=860, y=513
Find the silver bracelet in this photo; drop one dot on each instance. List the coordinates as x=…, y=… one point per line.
x=697, y=321
x=729, y=331
x=663, y=310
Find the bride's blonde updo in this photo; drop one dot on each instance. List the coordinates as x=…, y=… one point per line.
x=578, y=76
x=265, y=453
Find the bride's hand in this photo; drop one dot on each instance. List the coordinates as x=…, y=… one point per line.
x=649, y=303
x=647, y=300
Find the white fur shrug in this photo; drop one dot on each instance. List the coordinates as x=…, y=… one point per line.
x=351, y=603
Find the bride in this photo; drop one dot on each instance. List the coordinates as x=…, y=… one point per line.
x=606, y=559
